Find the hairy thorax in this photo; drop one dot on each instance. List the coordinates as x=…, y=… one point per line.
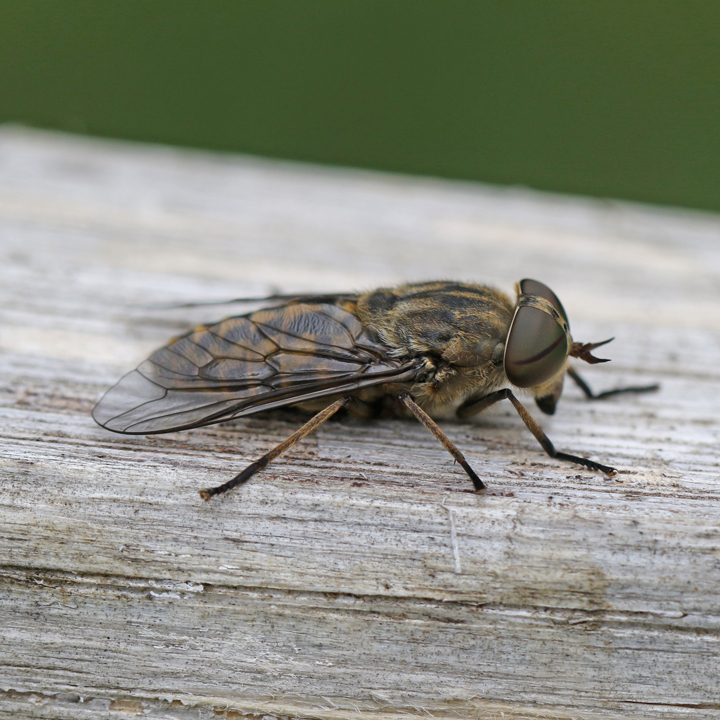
x=458, y=329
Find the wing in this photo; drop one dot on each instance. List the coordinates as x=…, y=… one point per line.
x=270, y=358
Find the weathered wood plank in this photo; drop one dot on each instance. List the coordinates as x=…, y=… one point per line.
x=358, y=576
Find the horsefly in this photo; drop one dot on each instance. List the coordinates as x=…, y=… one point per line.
x=422, y=349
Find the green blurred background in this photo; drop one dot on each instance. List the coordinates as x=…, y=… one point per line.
x=611, y=98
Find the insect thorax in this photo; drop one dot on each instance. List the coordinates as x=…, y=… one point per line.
x=461, y=329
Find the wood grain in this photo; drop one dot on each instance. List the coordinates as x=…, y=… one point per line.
x=358, y=576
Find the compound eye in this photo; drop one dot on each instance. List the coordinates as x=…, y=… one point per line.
x=533, y=287
x=536, y=348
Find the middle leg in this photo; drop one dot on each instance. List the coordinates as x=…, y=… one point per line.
x=432, y=426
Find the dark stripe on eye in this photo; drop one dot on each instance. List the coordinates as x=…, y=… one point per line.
x=541, y=354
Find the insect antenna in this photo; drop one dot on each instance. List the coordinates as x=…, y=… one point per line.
x=583, y=351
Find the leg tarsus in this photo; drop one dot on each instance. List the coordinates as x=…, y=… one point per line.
x=239, y=479
x=590, y=464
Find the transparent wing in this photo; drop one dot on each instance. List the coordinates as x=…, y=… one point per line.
x=270, y=358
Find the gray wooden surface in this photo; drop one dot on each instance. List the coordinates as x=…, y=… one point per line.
x=358, y=576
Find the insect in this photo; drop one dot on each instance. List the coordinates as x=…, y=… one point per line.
x=425, y=349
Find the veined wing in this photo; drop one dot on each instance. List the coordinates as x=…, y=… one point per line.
x=270, y=358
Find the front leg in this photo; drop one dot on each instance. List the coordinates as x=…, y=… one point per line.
x=475, y=406
x=590, y=395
